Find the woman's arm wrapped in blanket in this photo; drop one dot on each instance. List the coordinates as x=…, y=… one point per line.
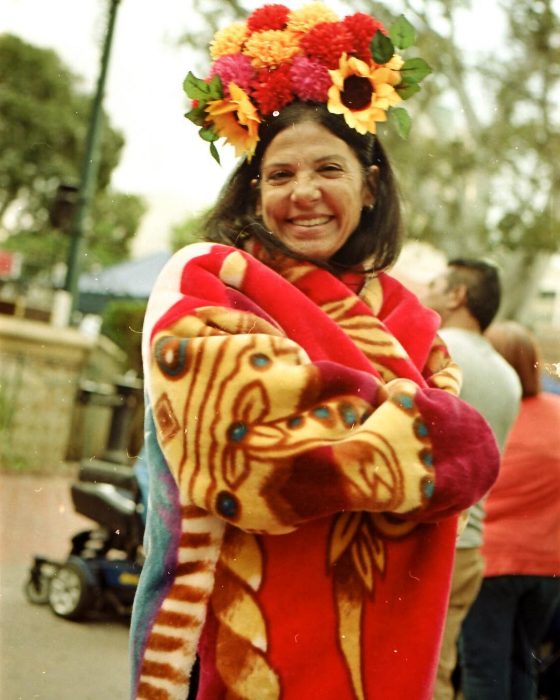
x=266, y=434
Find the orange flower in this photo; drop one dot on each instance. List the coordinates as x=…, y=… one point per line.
x=302, y=20
x=229, y=40
x=363, y=93
x=237, y=120
x=271, y=47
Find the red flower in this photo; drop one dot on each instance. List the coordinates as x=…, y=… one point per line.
x=362, y=28
x=326, y=42
x=272, y=90
x=268, y=17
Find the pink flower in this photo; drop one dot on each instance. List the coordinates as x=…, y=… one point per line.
x=235, y=68
x=311, y=80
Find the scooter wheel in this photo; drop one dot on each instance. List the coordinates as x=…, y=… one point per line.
x=70, y=594
x=37, y=592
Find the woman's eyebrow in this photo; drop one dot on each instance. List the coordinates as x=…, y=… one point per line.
x=320, y=159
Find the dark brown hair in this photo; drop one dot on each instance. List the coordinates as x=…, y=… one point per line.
x=483, y=286
x=378, y=235
x=519, y=347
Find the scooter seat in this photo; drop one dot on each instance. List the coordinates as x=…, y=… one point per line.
x=106, y=504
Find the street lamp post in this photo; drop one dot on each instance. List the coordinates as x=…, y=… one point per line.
x=88, y=176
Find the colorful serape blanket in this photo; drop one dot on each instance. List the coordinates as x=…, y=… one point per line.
x=308, y=458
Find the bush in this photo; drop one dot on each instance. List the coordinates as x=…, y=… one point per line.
x=122, y=323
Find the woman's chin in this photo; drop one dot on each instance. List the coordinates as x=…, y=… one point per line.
x=311, y=248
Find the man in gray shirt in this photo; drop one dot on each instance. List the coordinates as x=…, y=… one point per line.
x=467, y=297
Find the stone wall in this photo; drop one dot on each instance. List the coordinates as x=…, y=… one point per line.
x=41, y=370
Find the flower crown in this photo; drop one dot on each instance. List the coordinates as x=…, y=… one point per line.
x=280, y=55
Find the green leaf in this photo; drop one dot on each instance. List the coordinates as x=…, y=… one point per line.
x=196, y=88
x=197, y=115
x=401, y=118
x=382, y=48
x=415, y=70
x=407, y=90
x=208, y=134
x=215, y=91
x=214, y=153
x=402, y=33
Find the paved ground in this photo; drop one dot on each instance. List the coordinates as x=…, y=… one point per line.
x=41, y=656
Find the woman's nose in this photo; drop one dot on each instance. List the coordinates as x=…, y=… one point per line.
x=305, y=188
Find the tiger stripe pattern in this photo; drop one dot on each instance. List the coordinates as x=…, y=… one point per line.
x=171, y=646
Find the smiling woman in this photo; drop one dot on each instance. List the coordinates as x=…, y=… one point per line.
x=313, y=190
x=307, y=451
x=309, y=160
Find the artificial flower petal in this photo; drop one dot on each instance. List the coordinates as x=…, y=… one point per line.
x=361, y=93
x=280, y=55
x=268, y=17
x=302, y=20
x=237, y=120
x=229, y=40
x=234, y=68
x=271, y=48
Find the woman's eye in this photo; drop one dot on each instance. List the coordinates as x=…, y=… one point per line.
x=278, y=176
x=330, y=169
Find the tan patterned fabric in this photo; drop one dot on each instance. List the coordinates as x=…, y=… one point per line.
x=288, y=407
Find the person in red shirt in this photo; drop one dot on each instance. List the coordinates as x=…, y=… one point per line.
x=521, y=587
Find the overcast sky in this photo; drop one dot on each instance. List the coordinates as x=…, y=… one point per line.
x=164, y=160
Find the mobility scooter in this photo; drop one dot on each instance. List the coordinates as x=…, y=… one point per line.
x=104, y=563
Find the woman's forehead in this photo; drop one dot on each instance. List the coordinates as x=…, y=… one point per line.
x=306, y=141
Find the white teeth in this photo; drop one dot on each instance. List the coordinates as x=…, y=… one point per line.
x=311, y=222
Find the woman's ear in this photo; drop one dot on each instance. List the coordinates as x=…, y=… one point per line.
x=256, y=195
x=372, y=183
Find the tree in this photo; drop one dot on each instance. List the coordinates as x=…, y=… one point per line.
x=188, y=231
x=122, y=323
x=485, y=182
x=43, y=124
x=481, y=170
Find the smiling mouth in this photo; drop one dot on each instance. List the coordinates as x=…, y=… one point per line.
x=310, y=223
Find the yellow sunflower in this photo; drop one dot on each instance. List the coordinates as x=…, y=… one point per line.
x=228, y=40
x=395, y=65
x=237, y=120
x=363, y=93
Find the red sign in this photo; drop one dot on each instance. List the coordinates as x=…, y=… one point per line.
x=10, y=264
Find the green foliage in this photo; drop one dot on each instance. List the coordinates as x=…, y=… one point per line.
x=415, y=70
x=204, y=92
x=115, y=220
x=44, y=117
x=122, y=323
x=190, y=230
x=480, y=171
x=402, y=121
x=402, y=33
x=42, y=251
x=382, y=48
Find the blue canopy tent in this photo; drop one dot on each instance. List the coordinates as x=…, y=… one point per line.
x=132, y=279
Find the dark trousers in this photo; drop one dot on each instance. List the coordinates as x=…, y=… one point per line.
x=501, y=636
